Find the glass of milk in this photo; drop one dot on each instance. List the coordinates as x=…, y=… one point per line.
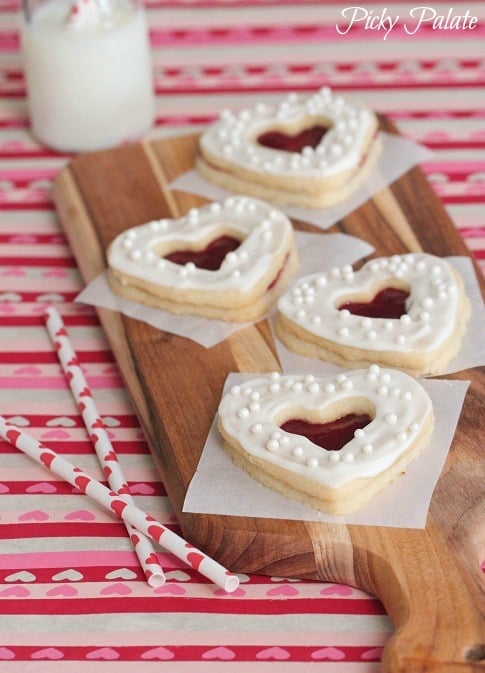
x=88, y=72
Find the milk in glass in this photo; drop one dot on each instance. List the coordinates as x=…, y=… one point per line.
x=88, y=72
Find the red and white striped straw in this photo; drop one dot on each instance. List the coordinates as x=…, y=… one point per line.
x=100, y=439
x=129, y=513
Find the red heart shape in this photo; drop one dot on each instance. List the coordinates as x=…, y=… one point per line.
x=82, y=482
x=388, y=303
x=46, y=458
x=98, y=423
x=155, y=532
x=278, y=140
x=211, y=257
x=332, y=435
x=118, y=506
x=61, y=332
x=194, y=559
x=13, y=435
x=152, y=558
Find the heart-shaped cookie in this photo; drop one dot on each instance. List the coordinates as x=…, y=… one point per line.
x=306, y=150
x=391, y=420
x=344, y=317
x=227, y=260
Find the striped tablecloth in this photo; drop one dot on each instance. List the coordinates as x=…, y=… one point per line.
x=72, y=597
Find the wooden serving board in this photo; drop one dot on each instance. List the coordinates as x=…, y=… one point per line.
x=429, y=580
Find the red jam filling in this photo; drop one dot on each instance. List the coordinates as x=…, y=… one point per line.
x=388, y=303
x=277, y=140
x=210, y=258
x=332, y=435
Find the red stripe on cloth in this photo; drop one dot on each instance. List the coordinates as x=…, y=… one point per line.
x=280, y=85
x=58, y=262
x=165, y=603
x=27, y=239
x=25, y=205
x=38, y=321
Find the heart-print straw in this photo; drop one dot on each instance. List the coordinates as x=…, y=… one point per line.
x=100, y=439
x=118, y=504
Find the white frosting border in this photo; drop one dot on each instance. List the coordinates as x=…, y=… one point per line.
x=265, y=231
x=432, y=307
x=233, y=137
x=402, y=406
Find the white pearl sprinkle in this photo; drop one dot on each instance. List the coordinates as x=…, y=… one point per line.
x=334, y=457
x=243, y=412
x=367, y=448
x=329, y=388
x=359, y=433
x=297, y=452
x=390, y=418
x=257, y=428
x=272, y=445
x=348, y=457
x=312, y=462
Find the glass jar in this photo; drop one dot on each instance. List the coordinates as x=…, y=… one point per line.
x=88, y=72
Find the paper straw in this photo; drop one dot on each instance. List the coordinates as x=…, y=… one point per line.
x=100, y=439
x=118, y=504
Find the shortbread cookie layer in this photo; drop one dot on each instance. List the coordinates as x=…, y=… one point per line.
x=313, y=318
x=323, y=172
x=252, y=417
x=241, y=286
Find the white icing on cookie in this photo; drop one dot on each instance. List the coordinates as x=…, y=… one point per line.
x=432, y=307
x=253, y=412
x=233, y=137
x=265, y=233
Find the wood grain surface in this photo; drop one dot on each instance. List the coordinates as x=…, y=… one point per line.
x=429, y=580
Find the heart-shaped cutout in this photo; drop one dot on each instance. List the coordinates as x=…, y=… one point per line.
x=387, y=303
x=307, y=150
x=313, y=320
x=287, y=142
x=331, y=435
x=228, y=260
x=253, y=414
x=210, y=257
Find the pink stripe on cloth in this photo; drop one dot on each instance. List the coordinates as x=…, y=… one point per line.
x=78, y=558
